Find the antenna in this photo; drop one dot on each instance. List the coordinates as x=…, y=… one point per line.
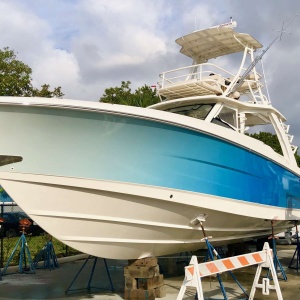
x=283, y=28
x=258, y=58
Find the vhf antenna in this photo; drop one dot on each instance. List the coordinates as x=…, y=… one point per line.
x=258, y=58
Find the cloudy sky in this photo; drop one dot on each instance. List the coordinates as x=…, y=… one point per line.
x=85, y=46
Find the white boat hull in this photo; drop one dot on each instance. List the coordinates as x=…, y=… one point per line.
x=118, y=220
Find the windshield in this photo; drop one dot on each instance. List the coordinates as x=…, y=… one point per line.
x=198, y=111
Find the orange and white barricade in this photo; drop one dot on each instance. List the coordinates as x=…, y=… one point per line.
x=264, y=259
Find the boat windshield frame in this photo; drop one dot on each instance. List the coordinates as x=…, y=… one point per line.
x=198, y=111
x=215, y=113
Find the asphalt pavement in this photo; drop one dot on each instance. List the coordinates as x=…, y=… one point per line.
x=57, y=283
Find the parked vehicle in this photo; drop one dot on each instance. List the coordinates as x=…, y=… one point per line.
x=11, y=225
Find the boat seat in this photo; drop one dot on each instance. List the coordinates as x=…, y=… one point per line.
x=247, y=85
x=220, y=80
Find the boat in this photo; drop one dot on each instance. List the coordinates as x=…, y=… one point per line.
x=125, y=182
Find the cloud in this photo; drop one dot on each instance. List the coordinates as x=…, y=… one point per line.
x=103, y=46
x=85, y=46
x=21, y=29
x=29, y=36
x=48, y=69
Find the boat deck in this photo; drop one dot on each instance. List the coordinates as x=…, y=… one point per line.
x=191, y=88
x=202, y=80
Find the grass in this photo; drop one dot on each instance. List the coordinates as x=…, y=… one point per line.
x=35, y=245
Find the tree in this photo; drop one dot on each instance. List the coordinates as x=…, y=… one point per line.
x=146, y=96
x=14, y=75
x=15, y=78
x=272, y=141
x=269, y=139
x=142, y=97
x=46, y=93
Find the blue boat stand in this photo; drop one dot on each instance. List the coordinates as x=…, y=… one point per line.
x=211, y=252
x=89, y=287
x=24, y=250
x=47, y=254
x=1, y=221
x=276, y=260
x=297, y=251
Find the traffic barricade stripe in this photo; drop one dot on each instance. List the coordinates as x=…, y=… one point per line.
x=212, y=267
x=243, y=260
x=228, y=264
x=258, y=258
x=191, y=270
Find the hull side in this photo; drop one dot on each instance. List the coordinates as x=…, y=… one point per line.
x=103, y=146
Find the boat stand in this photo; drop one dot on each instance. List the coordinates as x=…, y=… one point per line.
x=47, y=254
x=297, y=251
x=211, y=251
x=89, y=287
x=24, y=249
x=1, y=221
x=276, y=260
x=220, y=252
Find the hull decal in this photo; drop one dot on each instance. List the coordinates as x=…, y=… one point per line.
x=8, y=159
